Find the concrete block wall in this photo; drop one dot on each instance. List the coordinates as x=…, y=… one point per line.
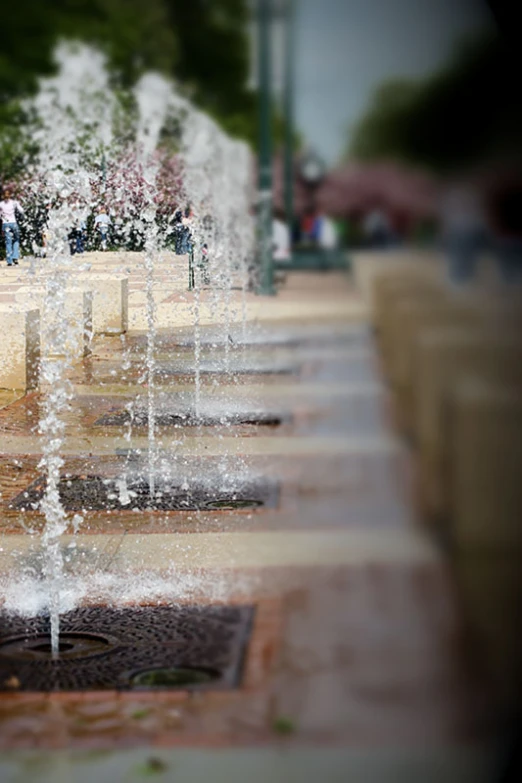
x=79, y=314
x=19, y=348
x=454, y=361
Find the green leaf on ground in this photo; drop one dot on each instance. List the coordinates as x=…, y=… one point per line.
x=139, y=714
x=283, y=725
x=152, y=766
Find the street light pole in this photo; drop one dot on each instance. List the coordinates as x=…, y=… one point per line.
x=289, y=116
x=264, y=214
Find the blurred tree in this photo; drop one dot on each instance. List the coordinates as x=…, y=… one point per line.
x=136, y=34
x=204, y=44
x=213, y=61
x=16, y=147
x=467, y=112
x=213, y=54
x=380, y=130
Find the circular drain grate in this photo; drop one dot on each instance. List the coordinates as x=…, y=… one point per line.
x=71, y=645
x=150, y=647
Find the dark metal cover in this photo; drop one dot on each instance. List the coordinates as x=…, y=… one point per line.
x=140, y=418
x=95, y=493
x=206, y=639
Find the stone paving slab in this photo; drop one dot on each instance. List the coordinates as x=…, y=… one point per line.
x=269, y=311
x=452, y=764
x=162, y=552
x=375, y=672
x=189, y=446
x=359, y=644
x=8, y=396
x=307, y=390
x=371, y=490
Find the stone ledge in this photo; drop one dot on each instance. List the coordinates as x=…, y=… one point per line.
x=19, y=348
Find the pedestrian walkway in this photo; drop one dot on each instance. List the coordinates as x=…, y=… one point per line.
x=355, y=660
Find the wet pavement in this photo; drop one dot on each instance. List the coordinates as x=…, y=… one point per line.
x=358, y=642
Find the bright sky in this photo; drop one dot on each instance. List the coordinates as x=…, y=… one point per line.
x=345, y=48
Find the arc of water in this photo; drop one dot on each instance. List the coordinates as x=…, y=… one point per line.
x=76, y=110
x=64, y=110
x=152, y=97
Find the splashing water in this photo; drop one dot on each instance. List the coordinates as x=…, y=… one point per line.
x=63, y=110
x=77, y=119
x=197, y=342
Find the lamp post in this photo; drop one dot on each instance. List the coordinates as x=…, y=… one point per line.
x=312, y=171
x=289, y=116
x=264, y=207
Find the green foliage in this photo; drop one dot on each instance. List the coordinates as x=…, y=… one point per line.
x=125, y=117
x=380, y=131
x=283, y=725
x=203, y=44
x=467, y=112
x=213, y=61
x=140, y=714
x=135, y=34
x=152, y=766
x=16, y=145
x=27, y=34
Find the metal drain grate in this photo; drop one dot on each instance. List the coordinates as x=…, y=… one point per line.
x=140, y=418
x=161, y=647
x=94, y=493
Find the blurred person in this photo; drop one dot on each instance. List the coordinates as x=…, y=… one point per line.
x=41, y=219
x=76, y=238
x=177, y=230
x=310, y=227
x=327, y=239
x=102, y=222
x=343, y=231
x=182, y=231
x=9, y=210
x=376, y=227
x=81, y=236
x=295, y=234
x=280, y=237
x=464, y=233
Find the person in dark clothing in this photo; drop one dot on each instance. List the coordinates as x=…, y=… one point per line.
x=182, y=234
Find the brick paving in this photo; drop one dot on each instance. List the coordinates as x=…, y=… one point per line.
x=365, y=647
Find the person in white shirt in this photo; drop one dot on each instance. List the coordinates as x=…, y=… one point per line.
x=102, y=222
x=8, y=211
x=327, y=234
x=280, y=238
